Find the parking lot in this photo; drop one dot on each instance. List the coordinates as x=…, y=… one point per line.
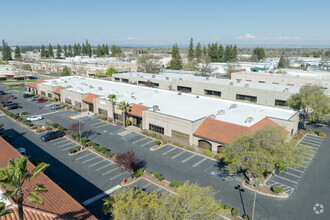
x=289, y=179
x=140, y=140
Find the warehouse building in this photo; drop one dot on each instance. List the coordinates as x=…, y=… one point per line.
x=198, y=121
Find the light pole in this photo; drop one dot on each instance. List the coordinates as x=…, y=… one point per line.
x=255, y=183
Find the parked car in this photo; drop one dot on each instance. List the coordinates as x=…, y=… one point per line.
x=2, y=92
x=21, y=150
x=34, y=118
x=56, y=106
x=12, y=97
x=14, y=106
x=26, y=95
x=41, y=100
x=51, y=135
x=8, y=103
x=33, y=99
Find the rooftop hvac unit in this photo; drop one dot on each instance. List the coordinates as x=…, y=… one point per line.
x=180, y=78
x=167, y=78
x=140, y=103
x=153, y=76
x=231, y=83
x=249, y=120
x=133, y=97
x=179, y=93
x=69, y=86
x=212, y=116
x=91, y=86
x=99, y=88
x=207, y=78
x=246, y=85
x=286, y=90
x=141, y=76
x=197, y=96
x=233, y=106
x=221, y=112
x=65, y=81
x=238, y=81
x=155, y=108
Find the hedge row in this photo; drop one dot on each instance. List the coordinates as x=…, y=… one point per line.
x=17, y=117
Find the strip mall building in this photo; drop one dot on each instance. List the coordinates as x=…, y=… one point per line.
x=199, y=121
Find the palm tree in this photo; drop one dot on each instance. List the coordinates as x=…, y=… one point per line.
x=124, y=106
x=15, y=175
x=3, y=210
x=113, y=98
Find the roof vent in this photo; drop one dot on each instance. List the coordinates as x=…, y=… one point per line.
x=91, y=86
x=246, y=85
x=212, y=116
x=231, y=83
x=238, y=81
x=133, y=97
x=233, y=106
x=167, y=78
x=249, y=120
x=221, y=112
x=197, y=96
x=180, y=78
x=179, y=93
x=286, y=90
x=207, y=78
x=140, y=103
x=155, y=108
x=153, y=76
x=141, y=76
x=65, y=81
x=99, y=88
x=69, y=86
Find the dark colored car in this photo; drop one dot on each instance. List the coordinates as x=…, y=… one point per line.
x=14, y=106
x=25, y=95
x=51, y=135
x=12, y=97
x=8, y=103
x=2, y=92
x=42, y=100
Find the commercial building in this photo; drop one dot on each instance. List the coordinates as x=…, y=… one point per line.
x=199, y=121
x=264, y=94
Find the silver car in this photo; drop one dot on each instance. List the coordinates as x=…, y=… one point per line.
x=56, y=106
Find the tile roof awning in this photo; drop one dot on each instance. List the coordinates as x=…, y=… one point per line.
x=35, y=83
x=225, y=132
x=58, y=89
x=136, y=110
x=90, y=97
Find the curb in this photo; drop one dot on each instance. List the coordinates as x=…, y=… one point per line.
x=265, y=194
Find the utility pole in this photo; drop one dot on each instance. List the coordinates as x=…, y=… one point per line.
x=255, y=183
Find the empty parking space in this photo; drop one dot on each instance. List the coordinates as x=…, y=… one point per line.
x=290, y=177
x=100, y=125
x=149, y=187
x=139, y=140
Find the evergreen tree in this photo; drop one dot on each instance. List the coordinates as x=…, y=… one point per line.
x=88, y=49
x=84, y=50
x=107, y=50
x=43, y=52
x=99, y=51
x=259, y=52
x=213, y=52
x=58, y=51
x=176, y=62
x=227, y=54
x=104, y=50
x=65, y=51
x=50, y=51
x=114, y=51
x=198, y=52
x=283, y=63
x=220, y=53
x=75, y=50
x=18, y=53
x=204, y=51
x=79, y=49
x=191, y=53
x=6, y=51
x=235, y=53
x=69, y=51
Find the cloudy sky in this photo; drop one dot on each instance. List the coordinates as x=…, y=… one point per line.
x=164, y=22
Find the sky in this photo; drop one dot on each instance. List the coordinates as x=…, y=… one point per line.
x=165, y=22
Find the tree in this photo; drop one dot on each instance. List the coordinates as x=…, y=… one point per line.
x=13, y=179
x=259, y=52
x=204, y=50
x=311, y=98
x=327, y=53
x=50, y=51
x=191, y=53
x=43, y=52
x=6, y=51
x=126, y=161
x=235, y=53
x=176, y=62
x=3, y=210
x=230, y=68
x=65, y=49
x=18, y=55
x=99, y=52
x=66, y=71
x=198, y=52
x=124, y=107
x=113, y=98
x=283, y=63
x=204, y=68
x=110, y=71
x=149, y=64
x=88, y=49
x=221, y=54
x=75, y=50
x=190, y=202
x=70, y=53
x=84, y=50
x=58, y=51
x=114, y=51
x=263, y=151
x=78, y=49
x=4, y=99
x=76, y=128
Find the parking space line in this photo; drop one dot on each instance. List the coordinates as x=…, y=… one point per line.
x=99, y=122
x=67, y=148
x=79, y=158
x=199, y=162
x=310, y=144
x=286, y=179
x=296, y=170
x=175, y=156
x=110, y=171
x=93, y=158
x=65, y=145
x=157, y=190
x=100, y=168
x=139, y=140
x=105, y=193
x=146, y=185
x=272, y=184
x=316, y=137
x=96, y=163
x=170, y=150
x=313, y=140
x=147, y=143
x=60, y=141
x=307, y=158
x=185, y=160
x=292, y=174
x=115, y=177
x=101, y=126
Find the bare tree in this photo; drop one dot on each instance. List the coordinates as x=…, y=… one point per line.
x=149, y=64
x=126, y=161
x=3, y=99
x=204, y=68
x=76, y=128
x=149, y=84
x=230, y=68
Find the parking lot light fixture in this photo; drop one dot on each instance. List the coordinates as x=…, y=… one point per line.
x=255, y=183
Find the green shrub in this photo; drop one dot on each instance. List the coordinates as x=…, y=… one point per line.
x=159, y=176
x=109, y=120
x=128, y=122
x=322, y=134
x=277, y=189
x=15, y=116
x=235, y=212
x=61, y=128
x=39, y=130
x=24, y=113
x=77, y=148
x=92, y=144
x=149, y=171
x=138, y=173
x=55, y=125
x=102, y=117
x=176, y=143
x=190, y=149
x=175, y=184
x=227, y=208
x=55, y=99
x=158, y=142
x=72, y=150
x=84, y=140
x=29, y=124
x=217, y=156
x=34, y=127
x=247, y=217
x=208, y=153
x=310, y=132
x=111, y=154
x=73, y=135
x=49, y=128
x=20, y=119
x=97, y=148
